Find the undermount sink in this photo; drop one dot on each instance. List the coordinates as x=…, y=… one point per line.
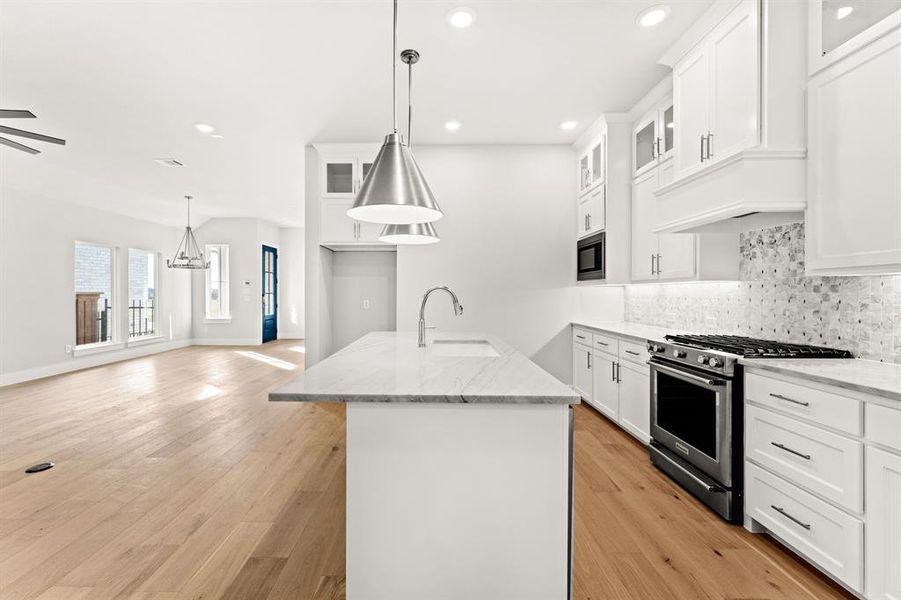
x=462, y=348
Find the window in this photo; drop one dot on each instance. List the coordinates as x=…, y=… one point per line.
x=217, y=282
x=143, y=278
x=93, y=293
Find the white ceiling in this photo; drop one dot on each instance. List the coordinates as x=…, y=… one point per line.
x=123, y=82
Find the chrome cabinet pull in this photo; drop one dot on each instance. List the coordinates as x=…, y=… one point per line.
x=782, y=512
x=653, y=270
x=589, y=359
x=658, y=147
x=589, y=220
x=600, y=343
x=619, y=373
x=709, y=145
x=658, y=265
x=581, y=337
x=632, y=352
x=702, y=147
x=795, y=452
x=613, y=372
x=787, y=399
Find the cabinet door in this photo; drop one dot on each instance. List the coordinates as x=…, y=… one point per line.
x=635, y=400
x=883, y=538
x=335, y=225
x=677, y=255
x=582, y=371
x=666, y=132
x=338, y=177
x=585, y=172
x=644, y=144
x=368, y=232
x=597, y=161
x=666, y=172
x=854, y=145
x=583, y=226
x=691, y=104
x=644, y=241
x=735, y=83
x=606, y=389
x=596, y=209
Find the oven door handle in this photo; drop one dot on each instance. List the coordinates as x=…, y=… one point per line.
x=687, y=376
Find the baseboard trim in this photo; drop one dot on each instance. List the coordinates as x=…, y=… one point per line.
x=89, y=361
x=227, y=342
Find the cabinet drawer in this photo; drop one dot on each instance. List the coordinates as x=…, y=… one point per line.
x=823, y=534
x=826, y=408
x=884, y=426
x=605, y=343
x=582, y=336
x=637, y=353
x=825, y=463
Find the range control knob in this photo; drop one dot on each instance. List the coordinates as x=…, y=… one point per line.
x=655, y=348
x=678, y=353
x=715, y=362
x=702, y=359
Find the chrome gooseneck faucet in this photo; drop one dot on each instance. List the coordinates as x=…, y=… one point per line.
x=458, y=309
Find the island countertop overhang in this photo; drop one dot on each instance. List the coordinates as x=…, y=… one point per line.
x=385, y=367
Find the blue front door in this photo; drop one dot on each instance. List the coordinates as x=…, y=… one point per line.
x=270, y=293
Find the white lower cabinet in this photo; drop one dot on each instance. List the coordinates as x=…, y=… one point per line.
x=605, y=394
x=634, y=399
x=612, y=376
x=823, y=475
x=883, y=549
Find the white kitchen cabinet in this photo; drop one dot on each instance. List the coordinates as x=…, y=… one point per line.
x=582, y=374
x=653, y=137
x=592, y=211
x=691, y=99
x=831, y=38
x=658, y=257
x=605, y=392
x=854, y=179
x=883, y=539
x=592, y=165
x=634, y=399
x=335, y=225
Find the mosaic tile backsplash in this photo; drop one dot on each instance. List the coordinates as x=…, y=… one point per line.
x=774, y=300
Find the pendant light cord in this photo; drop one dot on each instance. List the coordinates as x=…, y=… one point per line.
x=394, y=70
x=410, y=104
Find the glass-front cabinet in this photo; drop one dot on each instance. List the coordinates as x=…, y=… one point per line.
x=343, y=176
x=591, y=166
x=653, y=138
x=840, y=27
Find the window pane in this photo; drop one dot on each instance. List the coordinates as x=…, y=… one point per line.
x=217, y=281
x=93, y=294
x=141, y=293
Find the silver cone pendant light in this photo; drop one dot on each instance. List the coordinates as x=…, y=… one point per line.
x=188, y=254
x=410, y=234
x=395, y=191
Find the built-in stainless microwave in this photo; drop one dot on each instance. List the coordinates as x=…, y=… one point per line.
x=591, y=253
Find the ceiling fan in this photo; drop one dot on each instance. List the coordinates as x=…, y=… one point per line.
x=23, y=114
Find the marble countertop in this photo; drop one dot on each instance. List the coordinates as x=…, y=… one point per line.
x=634, y=331
x=388, y=366
x=867, y=376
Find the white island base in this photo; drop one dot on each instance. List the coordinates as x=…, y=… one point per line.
x=454, y=501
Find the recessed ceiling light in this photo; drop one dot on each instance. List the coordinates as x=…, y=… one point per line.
x=204, y=128
x=654, y=15
x=461, y=17
x=452, y=125
x=567, y=125
x=168, y=162
x=843, y=12
x=217, y=136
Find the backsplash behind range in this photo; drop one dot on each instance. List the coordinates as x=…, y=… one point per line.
x=775, y=300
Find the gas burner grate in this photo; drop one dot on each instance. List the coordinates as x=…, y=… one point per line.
x=756, y=348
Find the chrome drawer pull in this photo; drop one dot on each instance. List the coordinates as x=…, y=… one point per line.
x=792, y=400
x=581, y=337
x=782, y=512
x=602, y=343
x=795, y=452
x=632, y=352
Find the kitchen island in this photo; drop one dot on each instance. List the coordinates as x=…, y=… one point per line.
x=459, y=468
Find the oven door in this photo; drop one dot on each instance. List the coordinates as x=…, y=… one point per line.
x=691, y=414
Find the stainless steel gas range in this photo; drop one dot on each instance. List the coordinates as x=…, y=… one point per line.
x=697, y=395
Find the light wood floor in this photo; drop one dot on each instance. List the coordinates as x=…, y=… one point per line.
x=175, y=478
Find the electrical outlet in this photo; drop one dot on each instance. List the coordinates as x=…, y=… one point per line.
x=68, y=348
x=366, y=304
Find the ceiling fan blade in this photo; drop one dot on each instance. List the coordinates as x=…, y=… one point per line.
x=7, y=113
x=18, y=146
x=33, y=136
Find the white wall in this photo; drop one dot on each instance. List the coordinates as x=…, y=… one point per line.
x=507, y=249
x=291, y=283
x=37, y=299
x=359, y=277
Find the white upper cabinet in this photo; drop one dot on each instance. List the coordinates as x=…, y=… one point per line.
x=653, y=138
x=838, y=28
x=854, y=164
x=729, y=161
x=592, y=211
x=691, y=85
x=592, y=165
